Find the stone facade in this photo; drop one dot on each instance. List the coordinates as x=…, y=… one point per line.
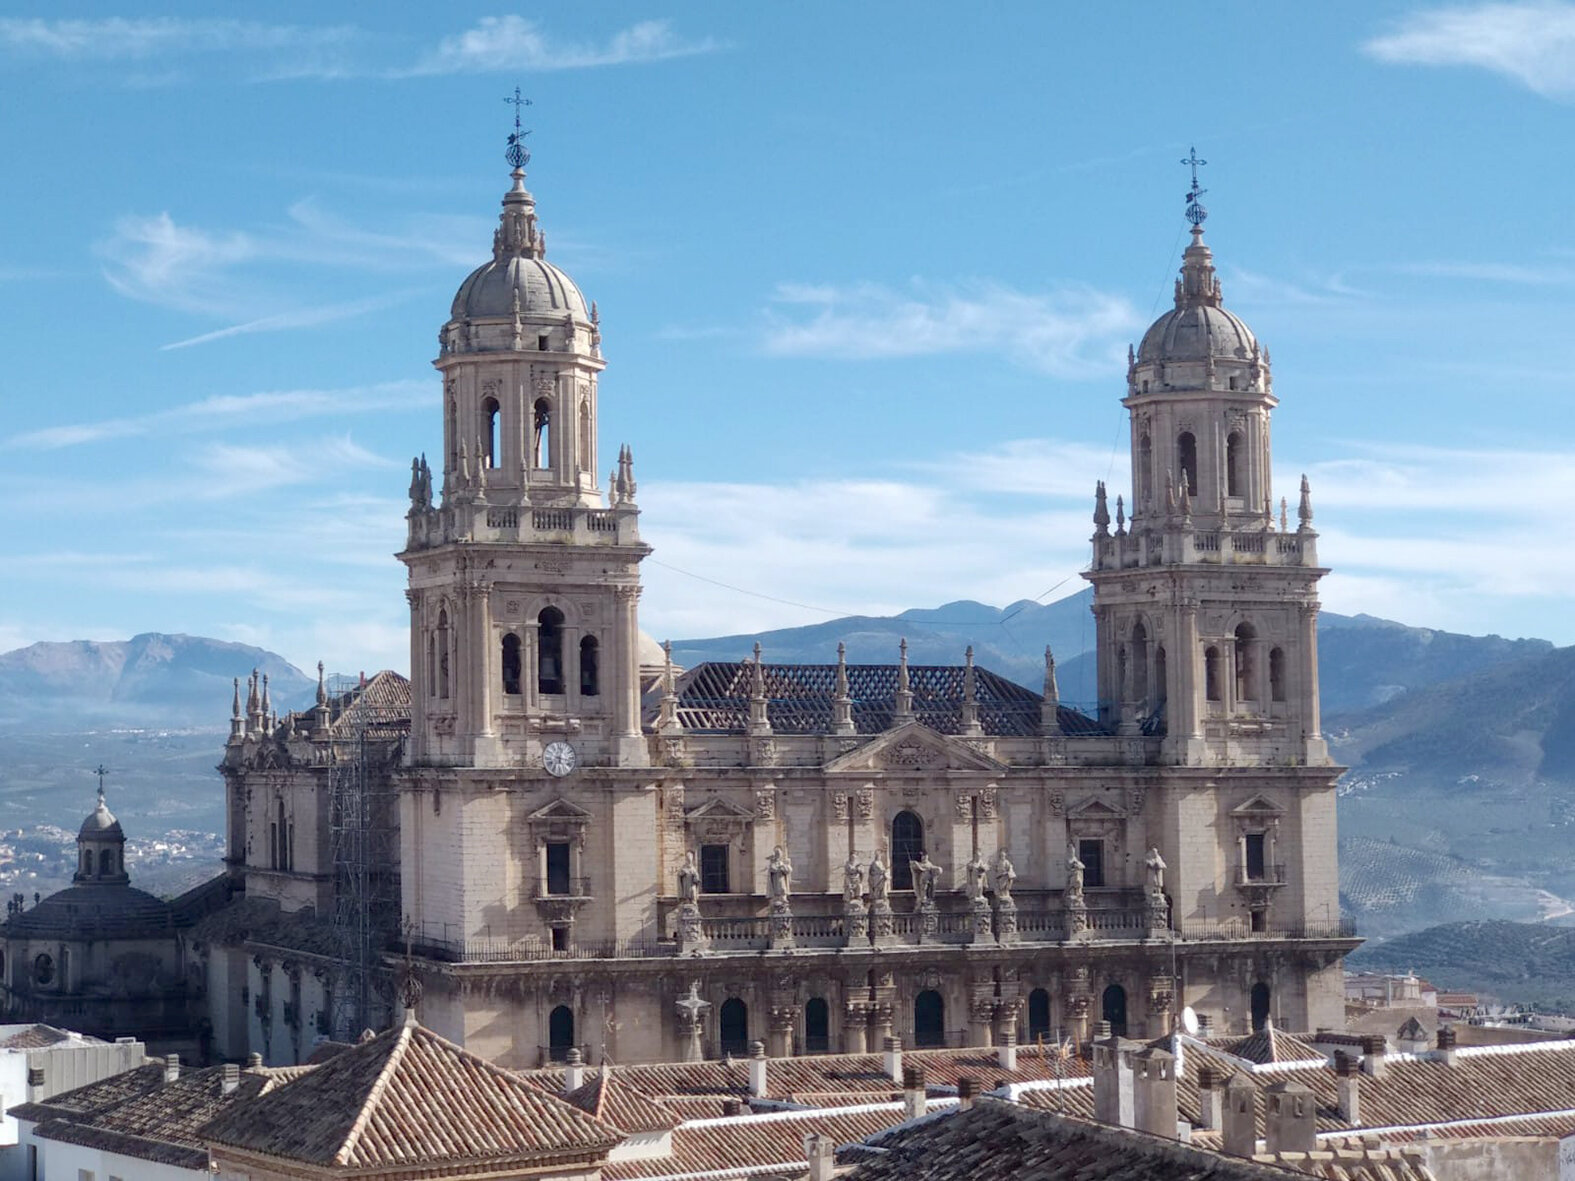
x=598, y=850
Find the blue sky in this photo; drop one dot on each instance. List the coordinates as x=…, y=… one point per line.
x=867, y=274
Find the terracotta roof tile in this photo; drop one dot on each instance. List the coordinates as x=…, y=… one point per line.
x=36, y=1037
x=607, y=1097
x=407, y=1097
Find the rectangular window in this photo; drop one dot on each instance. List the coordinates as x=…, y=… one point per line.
x=713, y=869
x=1260, y=922
x=1092, y=855
x=1257, y=869
x=560, y=939
x=84, y=1175
x=558, y=867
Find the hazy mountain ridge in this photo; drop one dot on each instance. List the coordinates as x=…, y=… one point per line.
x=154, y=679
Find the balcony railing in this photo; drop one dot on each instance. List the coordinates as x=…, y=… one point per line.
x=562, y=888
x=1267, y=875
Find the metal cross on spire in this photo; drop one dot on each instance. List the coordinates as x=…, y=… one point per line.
x=101, y=771
x=517, y=155
x=1196, y=213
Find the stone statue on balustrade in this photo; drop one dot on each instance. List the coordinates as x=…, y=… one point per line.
x=1155, y=864
x=976, y=877
x=691, y=928
x=779, y=877
x=926, y=874
x=1005, y=874
x=852, y=881
x=689, y=879
x=1076, y=904
x=882, y=927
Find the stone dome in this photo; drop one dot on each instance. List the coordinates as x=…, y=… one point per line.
x=533, y=286
x=1195, y=333
x=120, y=911
x=1199, y=327
x=101, y=824
x=519, y=280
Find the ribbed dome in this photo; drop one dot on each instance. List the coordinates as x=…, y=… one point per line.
x=101, y=824
x=540, y=288
x=1198, y=327
x=119, y=911
x=1196, y=333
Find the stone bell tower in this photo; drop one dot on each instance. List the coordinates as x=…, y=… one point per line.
x=523, y=582
x=1206, y=601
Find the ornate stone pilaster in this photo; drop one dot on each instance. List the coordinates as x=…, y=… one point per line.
x=1005, y=920
x=855, y=923
x=1161, y=999
x=979, y=914
x=882, y=926
x=692, y=939
x=981, y=1020
x=855, y=1026
x=782, y=1017
x=781, y=925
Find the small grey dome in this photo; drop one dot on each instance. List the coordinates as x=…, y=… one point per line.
x=542, y=290
x=1195, y=333
x=101, y=824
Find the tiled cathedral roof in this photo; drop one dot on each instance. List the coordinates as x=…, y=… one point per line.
x=714, y=698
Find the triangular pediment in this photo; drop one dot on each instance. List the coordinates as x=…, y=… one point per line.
x=718, y=808
x=561, y=810
x=1258, y=806
x=1095, y=808
x=915, y=747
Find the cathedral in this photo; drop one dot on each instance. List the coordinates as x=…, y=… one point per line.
x=552, y=839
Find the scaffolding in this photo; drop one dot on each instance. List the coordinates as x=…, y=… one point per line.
x=368, y=724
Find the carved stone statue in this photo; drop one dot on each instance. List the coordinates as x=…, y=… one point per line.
x=852, y=881
x=975, y=878
x=925, y=874
x=880, y=879
x=1005, y=874
x=1156, y=870
x=1074, y=877
x=689, y=879
x=779, y=876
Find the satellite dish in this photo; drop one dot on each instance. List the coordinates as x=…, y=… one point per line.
x=1189, y=1020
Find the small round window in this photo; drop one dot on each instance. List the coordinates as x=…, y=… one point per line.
x=44, y=968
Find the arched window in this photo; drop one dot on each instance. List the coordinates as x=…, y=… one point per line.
x=1211, y=673
x=732, y=1027
x=817, y=1026
x=1234, y=484
x=1246, y=665
x=541, y=436
x=1187, y=461
x=1140, y=685
x=442, y=648
x=489, y=432
x=560, y=1033
x=511, y=664
x=1276, y=674
x=431, y=666
x=1113, y=1008
x=106, y=863
x=44, y=968
x=907, y=846
x=929, y=1019
x=549, y=644
x=1260, y=1006
x=1038, y=1014
x=281, y=858
x=87, y=861
x=452, y=425
x=1145, y=472
x=590, y=679
x=1161, y=692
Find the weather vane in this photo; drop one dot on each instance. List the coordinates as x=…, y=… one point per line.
x=1196, y=213
x=517, y=155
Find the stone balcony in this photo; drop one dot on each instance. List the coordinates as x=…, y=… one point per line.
x=475, y=520
x=1209, y=547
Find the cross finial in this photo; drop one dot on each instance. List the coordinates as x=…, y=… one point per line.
x=517, y=156
x=101, y=771
x=1195, y=211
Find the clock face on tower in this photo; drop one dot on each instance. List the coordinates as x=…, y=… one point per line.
x=559, y=758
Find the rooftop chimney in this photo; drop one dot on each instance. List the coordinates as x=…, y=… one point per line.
x=1113, y=1091
x=893, y=1052
x=1240, y=1133
x=967, y=1088
x=573, y=1070
x=1348, y=1080
x=1205, y=1025
x=913, y=1092
x=253, y=1060
x=1288, y=1123
x=1211, y=1099
x=732, y=1107
x=232, y=1078
x=1154, y=1105
x=821, y=1153
x=1446, y=1045
x=757, y=1069
x=1373, y=1049
x=172, y=1068
x=1006, y=1052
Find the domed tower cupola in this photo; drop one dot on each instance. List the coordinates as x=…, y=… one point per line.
x=1199, y=391
x=101, y=849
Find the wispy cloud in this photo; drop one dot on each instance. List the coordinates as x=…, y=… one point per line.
x=516, y=43
x=1533, y=43
x=300, y=318
x=1529, y=275
x=1070, y=332
x=233, y=410
x=120, y=38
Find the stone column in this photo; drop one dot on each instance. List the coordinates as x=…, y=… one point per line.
x=783, y=1017
x=626, y=711
x=1188, y=719
x=1309, y=671
x=484, y=663
x=855, y=1021
x=981, y=1019
x=420, y=677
